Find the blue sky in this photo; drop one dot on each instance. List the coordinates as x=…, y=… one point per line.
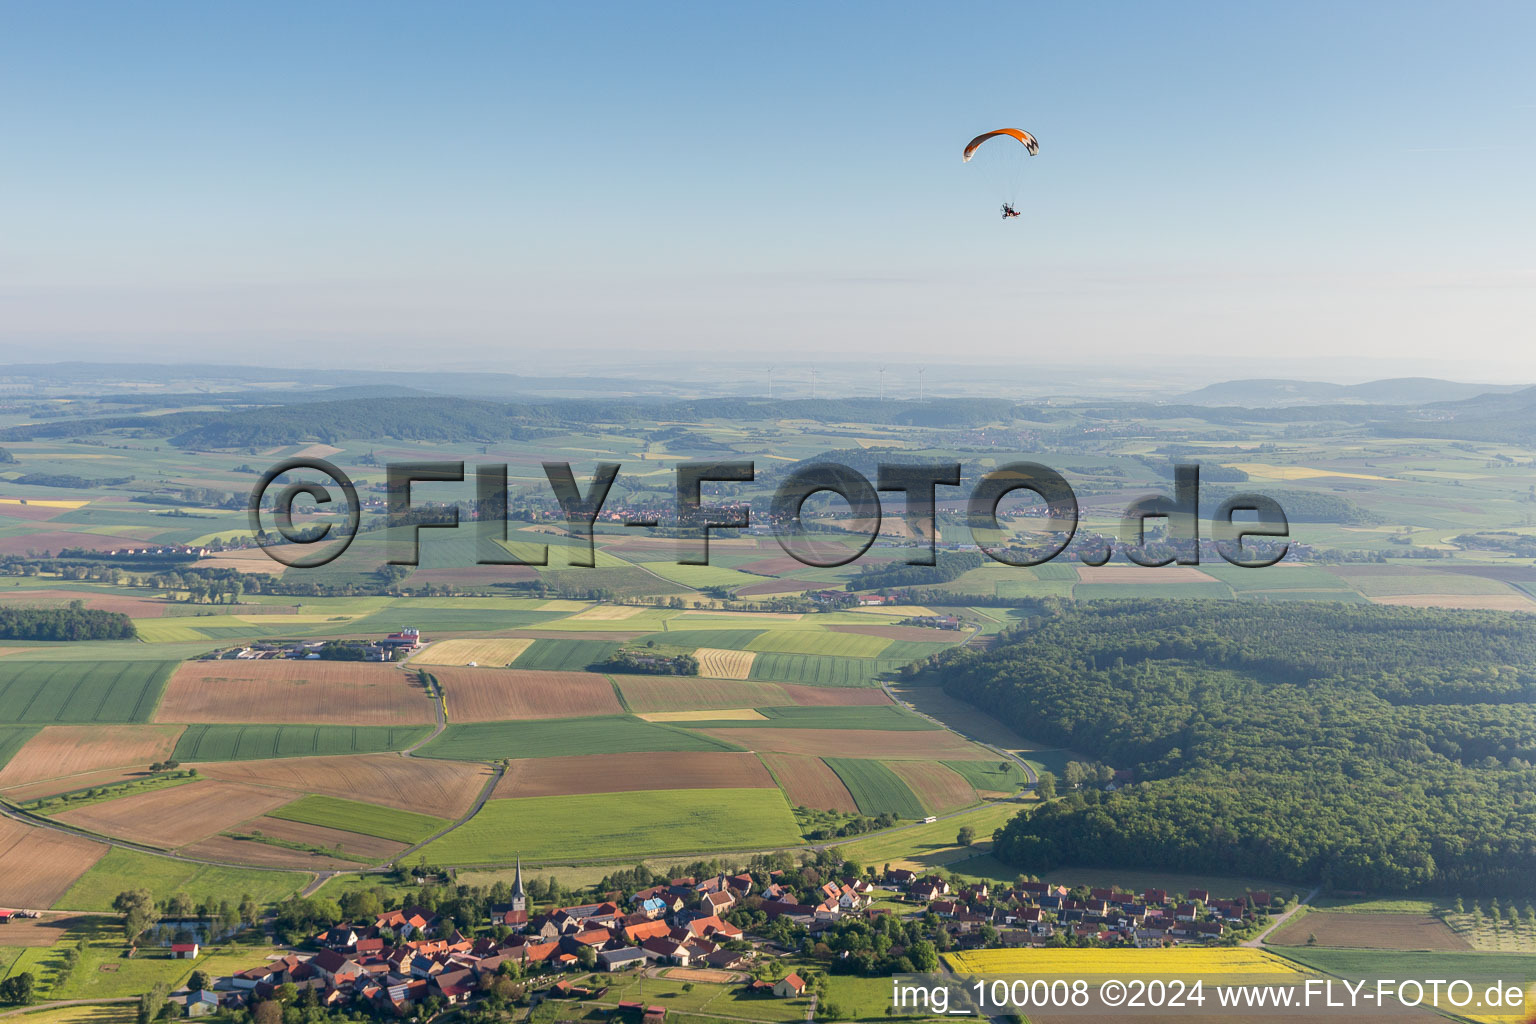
x=1303, y=185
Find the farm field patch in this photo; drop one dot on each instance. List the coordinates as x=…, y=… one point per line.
x=1166, y=591
x=472, y=652
x=926, y=846
x=228, y=849
x=344, y=843
x=62, y=750
x=296, y=692
x=637, y=772
x=647, y=694
x=366, y=819
x=551, y=737
x=1223, y=963
x=425, y=786
x=564, y=655
x=819, y=670
x=719, y=663
x=38, y=865
x=1368, y=931
x=176, y=815
x=123, y=869
x=1140, y=574
x=885, y=716
x=620, y=826
x=503, y=694
x=723, y=715
x=1473, y=602
x=804, y=641
x=808, y=781
x=255, y=742
x=876, y=788
x=932, y=744
x=936, y=787
x=48, y=692
x=989, y=776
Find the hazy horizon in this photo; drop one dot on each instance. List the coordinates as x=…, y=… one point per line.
x=1307, y=191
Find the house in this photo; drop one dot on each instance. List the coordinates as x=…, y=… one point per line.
x=647, y=930
x=201, y=1003
x=789, y=986
x=900, y=877
x=185, y=951
x=619, y=959
x=455, y=986
x=713, y=929
x=1200, y=895
x=716, y=903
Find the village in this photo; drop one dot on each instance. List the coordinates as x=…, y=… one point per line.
x=765, y=932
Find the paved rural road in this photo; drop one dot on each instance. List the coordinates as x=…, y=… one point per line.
x=485, y=794
x=440, y=708
x=1258, y=940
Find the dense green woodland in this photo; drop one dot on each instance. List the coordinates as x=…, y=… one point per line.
x=1359, y=746
x=72, y=622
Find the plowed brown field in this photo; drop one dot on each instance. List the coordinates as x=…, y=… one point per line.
x=38, y=865
x=625, y=773
x=695, y=693
x=370, y=847
x=509, y=694
x=176, y=815
x=808, y=782
x=298, y=692
x=939, y=788
x=59, y=750
x=442, y=788
x=877, y=743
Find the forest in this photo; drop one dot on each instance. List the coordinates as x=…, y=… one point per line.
x=73, y=621
x=1362, y=747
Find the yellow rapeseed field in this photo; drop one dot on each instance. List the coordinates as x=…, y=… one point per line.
x=1122, y=963
x=493, y=653
x=718, y=663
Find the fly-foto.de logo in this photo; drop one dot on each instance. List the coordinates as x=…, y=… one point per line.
x=334, y=513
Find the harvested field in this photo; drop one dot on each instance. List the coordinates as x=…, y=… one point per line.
x=54, y=541
x=624, y=773
x=1485, y=602
x=718, y=663
x=444, y=788
x=73, y=783
x=606, y=613
x=227, y=849
x=38, y=865
x=773, y=566
x=916, y=744
x=495, y=653
x=808, y=782
x=724, y=715
x=61, y=750
x=508, y=694
x=1141, y=574
x=177, y=815
x=939, y=788
x=351, y=843
x=133, y=607
x=1369, y=931
x=36, y=931
x=833, y=696
x=645, y=694
x=300, y=692
x=920, y=634
x=253, y=560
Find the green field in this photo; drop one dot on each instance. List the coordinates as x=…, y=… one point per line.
x=364, y=819
x=819, y=670
x=564, y=655
x=551, y=737
x=732, y=639
x=875, y=788
x=128, y=869
x=258, y=742
x=465, y=620
x=997, y=776
x=929, y=845
x=619, y=825
x=700, y=577
x=1274, y=577
x=804, y=641
x=80, y=691
x=917, y=650
x=878, y=716
x=1515, y=968
x=1053, y=572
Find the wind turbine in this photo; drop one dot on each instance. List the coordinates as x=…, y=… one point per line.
x=770, y=383
x=920, y=372
x=813, y=383
x=882, y=383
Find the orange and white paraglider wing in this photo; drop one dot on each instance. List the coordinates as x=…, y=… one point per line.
x=1027, y=139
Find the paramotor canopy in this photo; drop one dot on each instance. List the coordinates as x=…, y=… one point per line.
x=1013, y=133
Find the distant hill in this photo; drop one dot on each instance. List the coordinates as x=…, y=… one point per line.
x=1509, y=416
x=1261, y=392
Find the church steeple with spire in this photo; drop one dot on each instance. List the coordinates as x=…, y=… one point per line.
x=519, y=894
